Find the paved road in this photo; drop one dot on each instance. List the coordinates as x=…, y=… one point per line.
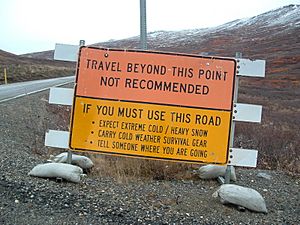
x=15, y=90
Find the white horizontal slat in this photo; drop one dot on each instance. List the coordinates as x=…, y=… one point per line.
x=61, y=96
x=251, y=68
x=242, y=157
x=66, y=52
x=247, y=113
x=57, y=139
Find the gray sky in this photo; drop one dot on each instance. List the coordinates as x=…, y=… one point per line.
x=36, y=25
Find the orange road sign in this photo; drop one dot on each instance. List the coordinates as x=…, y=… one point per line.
x=172, y=79
x=153, y=105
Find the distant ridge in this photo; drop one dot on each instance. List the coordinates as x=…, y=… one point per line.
x=41, y=55
x=273, y=36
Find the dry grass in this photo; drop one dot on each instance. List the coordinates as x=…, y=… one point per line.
x=25, y=72
x=125, y=169
x=21, y=68
x=277, y=138
x=277, y=147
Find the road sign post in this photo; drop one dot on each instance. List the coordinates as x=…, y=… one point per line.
x=5, y=75
x=143, y=25
x=238, y=55
x=69, y=156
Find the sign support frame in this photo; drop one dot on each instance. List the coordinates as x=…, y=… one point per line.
x=69, y=155
x=238, y=55
x=143, y=25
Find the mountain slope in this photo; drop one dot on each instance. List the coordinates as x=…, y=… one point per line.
x=41, y=55
x=273, y=36
x=21, y=68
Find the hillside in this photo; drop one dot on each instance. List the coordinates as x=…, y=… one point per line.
x=273, y=36
x=41, y=55
x=21, y=68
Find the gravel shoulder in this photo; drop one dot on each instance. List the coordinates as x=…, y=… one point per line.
x=104, y=200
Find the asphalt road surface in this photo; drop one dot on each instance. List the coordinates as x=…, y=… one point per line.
x=15, y=90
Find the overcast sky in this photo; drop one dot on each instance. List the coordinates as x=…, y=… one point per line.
x=36, y=25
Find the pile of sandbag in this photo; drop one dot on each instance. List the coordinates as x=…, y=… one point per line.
x=58, y=168
x=78, y=160
x=214, y=171
x=241, y=196
x=230, y=193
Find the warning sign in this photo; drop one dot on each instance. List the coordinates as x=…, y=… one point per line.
x=153, y=131
x=157, y=78
x=153, y=105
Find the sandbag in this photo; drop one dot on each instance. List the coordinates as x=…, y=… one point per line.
x=241, y=196
x=214, y=171
x=79, y=160
x=57, y=170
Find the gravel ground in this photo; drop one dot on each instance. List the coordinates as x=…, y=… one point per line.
x=103, y=200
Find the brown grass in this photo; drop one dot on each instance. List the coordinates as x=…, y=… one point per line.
x=277, y=147
x=125, y=169
x=277, y=138
x=25, y=72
